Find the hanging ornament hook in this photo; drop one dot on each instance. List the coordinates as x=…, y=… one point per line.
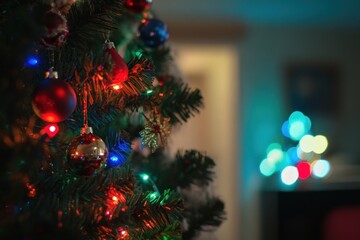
x=108, y=45
x=86, y=128
x=107, y=36
x=52, y=58
x=52, y=73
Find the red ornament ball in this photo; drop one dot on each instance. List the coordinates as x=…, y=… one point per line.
x=54, y=100
x=87, y=154
x=57, y=29
x=137, y=6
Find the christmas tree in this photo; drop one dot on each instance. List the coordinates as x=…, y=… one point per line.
x=83, y=149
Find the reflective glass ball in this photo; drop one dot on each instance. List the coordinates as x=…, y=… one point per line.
x=87, y=154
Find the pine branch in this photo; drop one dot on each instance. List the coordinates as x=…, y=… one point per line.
x=180, y=103
x=174, y=100
x=160, y=56
x=117, y=145
x=91, y=20
x=67, y=205
x=98, y=117
x=105, y=105
x=68, y=184
x=146, y=217
x=96, y=80
x=189, y=167
x=141, y=76
x=211, y=214
x=86, y=199
x=172, y=232
x=160, y=211
x=192, y=167
x=90, y=23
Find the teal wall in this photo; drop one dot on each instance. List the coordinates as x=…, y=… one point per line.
x=280, y=12
x=264, y=52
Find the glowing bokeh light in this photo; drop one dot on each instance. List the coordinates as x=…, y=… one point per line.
x=297, y=126
x=289, y=175
x=144, y=176
x=320, y=144
x=297, y=130
x=304, y=169
x=307, y=123
x=274, y=153
x=304, y=155
x=275, y=156
x=285, y=129
x=266, y=168
x=284, y=162
x=299, y=153
x=292, y=153
x=296, y=162
x=296, y=116
x=307, y=143
x=320, y=168
x=272, y=147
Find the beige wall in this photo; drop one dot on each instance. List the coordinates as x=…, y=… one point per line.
x=213, y=69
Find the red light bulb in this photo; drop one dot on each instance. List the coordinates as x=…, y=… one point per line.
x=51, y=130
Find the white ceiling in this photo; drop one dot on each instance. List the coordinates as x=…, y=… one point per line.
x=342, y=13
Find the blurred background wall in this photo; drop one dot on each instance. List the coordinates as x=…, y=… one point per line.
x=254, y=41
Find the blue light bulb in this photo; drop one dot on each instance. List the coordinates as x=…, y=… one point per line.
x=115, y=160
x=32, y=61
